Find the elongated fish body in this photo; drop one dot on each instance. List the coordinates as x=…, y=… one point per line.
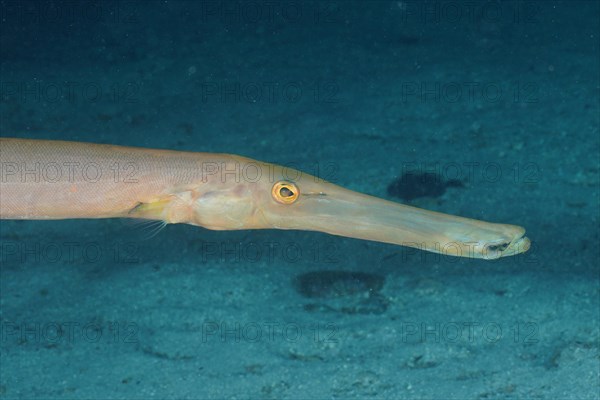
x=45, y=179
x=42, y=179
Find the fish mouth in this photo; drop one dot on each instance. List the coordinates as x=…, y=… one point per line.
x=519, y=244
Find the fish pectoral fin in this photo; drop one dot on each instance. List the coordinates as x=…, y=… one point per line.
x=152, y=210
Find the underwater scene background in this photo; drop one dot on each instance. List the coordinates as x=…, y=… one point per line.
x=488, y=110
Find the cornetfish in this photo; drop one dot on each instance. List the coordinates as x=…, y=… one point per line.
x=48, y=179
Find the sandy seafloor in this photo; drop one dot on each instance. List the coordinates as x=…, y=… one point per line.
x=503, y=96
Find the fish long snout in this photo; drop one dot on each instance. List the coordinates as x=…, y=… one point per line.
x=332, y=209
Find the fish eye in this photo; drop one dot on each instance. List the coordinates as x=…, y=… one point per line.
x=285, y=192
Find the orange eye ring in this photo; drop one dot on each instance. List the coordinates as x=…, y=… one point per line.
x=285, y=192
